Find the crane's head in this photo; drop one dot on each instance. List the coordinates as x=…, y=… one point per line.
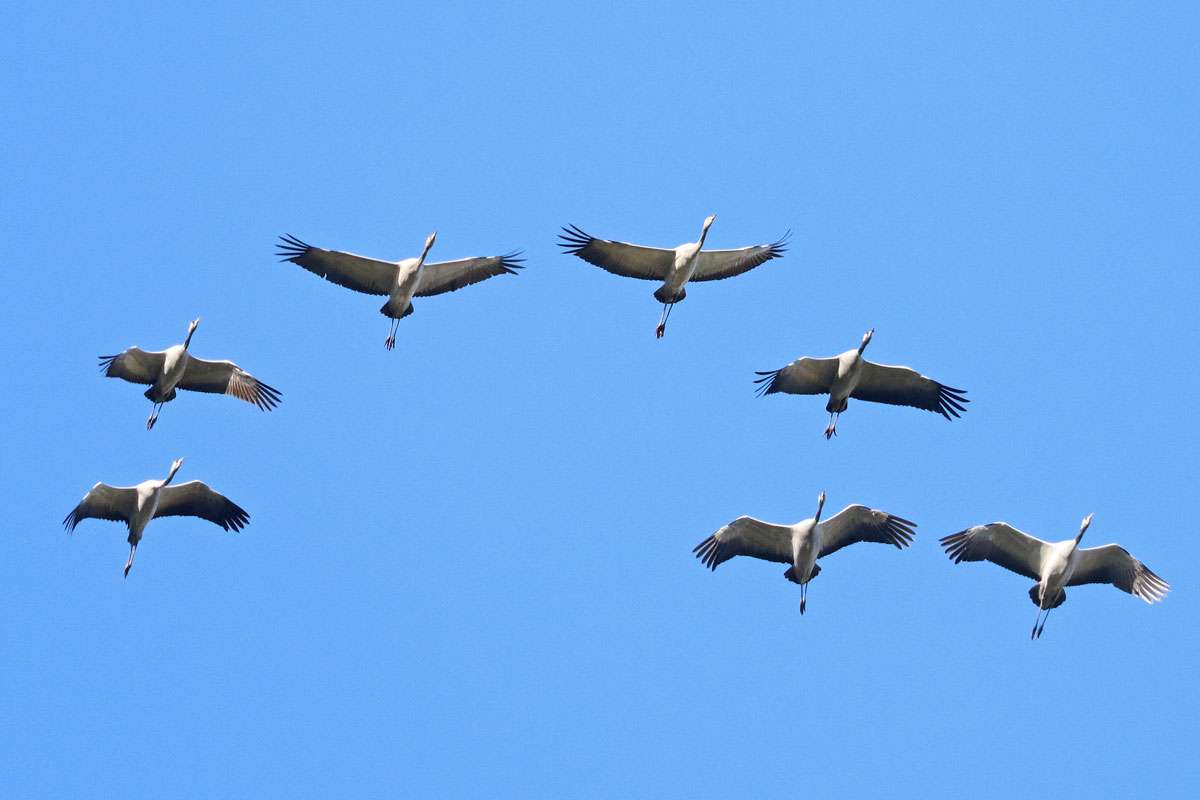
x=1083, y=526
x=709, y=220
x=820, y=505
x=866, y=340
x=193, y=325
x=429, y=240
x=175, y=465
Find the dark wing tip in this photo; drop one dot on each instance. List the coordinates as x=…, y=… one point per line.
x=106, y=362
x=71, y=520
x=574, y=239
x=950, y=401
x=766, y=384
x=291, y=248
x=511, y=262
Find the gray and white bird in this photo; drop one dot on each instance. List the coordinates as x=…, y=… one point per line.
x=176, y=368
x=400, y=280
x=137, y=505
x=800, y=545
x=849, y=375
x=674, y=267
x=1055, y=565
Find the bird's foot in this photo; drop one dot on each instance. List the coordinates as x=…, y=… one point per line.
x=660, y=331
x=390, y=342
x=128, y=566
x=830, y=432
x=802, y=604
x=150, y=420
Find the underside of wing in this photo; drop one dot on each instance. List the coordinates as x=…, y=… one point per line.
x=999, y=543
x=1114, y=564
x=134, y=365
x=360, y=273
x=902, y=386
x=619, y=258
x=225, y=377
x=714, y=265
x=196, y=499
x=115, y=503
x=746, y=536
x=857, y=523
x=802, y=376
x=450, y=276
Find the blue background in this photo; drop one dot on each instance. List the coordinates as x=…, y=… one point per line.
x=468, y=568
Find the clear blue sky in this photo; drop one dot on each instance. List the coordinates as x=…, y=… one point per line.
x=468, y=568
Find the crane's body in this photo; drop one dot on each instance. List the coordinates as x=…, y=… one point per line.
x=849, y=375
x=137, y=505
x=800, y=545
x=673, y=267
x=400, y=281
x=1055, y=565
x=176, y=368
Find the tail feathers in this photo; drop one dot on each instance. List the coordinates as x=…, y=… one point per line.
x=387, y=313
x=151, y=394
x=1058, y=601
x=663, y=294
x=790, y=573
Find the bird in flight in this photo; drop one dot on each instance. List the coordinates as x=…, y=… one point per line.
x=1055, y=565
x=800, y=545
x=400, y=280
x=849, y=375
x=673, y=267
x=176, y=368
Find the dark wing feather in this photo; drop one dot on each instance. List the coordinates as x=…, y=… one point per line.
x=802, y=376
x=195, y=499
x=746, y=536
x=115, y=503
x=360, y=273
x=714, y=265
x=134, y=365
x=225, y=377
x=450, y=276
x=619, y=258
x=1114, y=564
x=999, y=543
x=902, y=386
x=858, y=523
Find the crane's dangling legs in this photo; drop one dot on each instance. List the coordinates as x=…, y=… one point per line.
x=803, y=596
x=1043, y=628
x=831, y=428
x=153, y=418
x=390, y=341
x=661, y=330
x=129, y=563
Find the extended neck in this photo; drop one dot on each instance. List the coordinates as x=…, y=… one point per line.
x=188, y=340
x=171, y=474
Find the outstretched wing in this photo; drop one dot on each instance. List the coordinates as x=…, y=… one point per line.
x=619, y=258
x=802, y=376
x=362, y=274
x=861, y=524
x=450, y=276
x=902, y=386
x=134, y=365
x=713, y=265
x=1113, y=564
x=115, y=503
x=195, y=499
x=226, y=377
x=746, y=536
x=999, y=543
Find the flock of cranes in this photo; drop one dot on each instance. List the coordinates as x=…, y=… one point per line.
x=1053, y=565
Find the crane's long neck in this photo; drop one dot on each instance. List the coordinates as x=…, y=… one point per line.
x=171, y=474
x=188, y=340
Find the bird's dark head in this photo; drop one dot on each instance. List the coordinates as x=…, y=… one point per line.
x=820, y=505
x=175, y=465
x=709, y=220
x=866, y=340
x=429, y=240
x=191, y=329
